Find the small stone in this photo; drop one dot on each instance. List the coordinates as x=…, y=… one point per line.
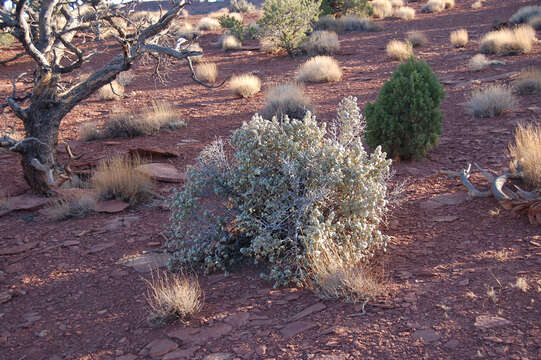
x=5, y=297
x=161, y=347
x=317, y=307
x=428, y=335
x=144, y=263
x=294, y=328
x=162, y=172
x=451, y=344
x=237, y=320
x=488, y=321
x=261, y=349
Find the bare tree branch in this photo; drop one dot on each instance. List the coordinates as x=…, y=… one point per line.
x=26, y=39
x=13, y=58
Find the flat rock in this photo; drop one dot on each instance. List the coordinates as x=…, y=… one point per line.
x=120, y=223
x=237, y=320
x=488, y=321
x=161, y=347
x=296, y=327
x=12, y=250
x=427, y=335
x=218, y=356
x=162, y=172
x=451, y=344
x=181, y=354
x=110, y=206
x=146, y=262
x=317, y=307
x=200, y=336
x=100, y=247
x=25, y=202
x=445, y=218
x=153, y=153
x=444, y=200
x=5, y=297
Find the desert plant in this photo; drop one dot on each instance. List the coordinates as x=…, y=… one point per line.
x=173, y=296
x=72, y=207
x=404, y=12
x=329, y=23
x=286, y=100
x=535, y=22
x=480, y=62
x=399, y=50
x=289, y=187
x=437, y=5
x=508, y=41
x=111, y=91
x=346, y=7
x=382, y=8
x=489, y=102
x=125, y=78
x=6, y=39
x=525, y=13
x=525, y=153
x=236, y=27
x=405, y=119
x=208, y=24
x=245, y=85
x=397, y=3
x=528, y=81
x=286, y=22
x=118, y=178
x=477, y=5
x=207, y=72
x=162, y=115
x=89, y=131
x=459, y=38
x=321, y=43
x=241, y=6
x=195, y=47
x=319, y=69
x=230, y=42
x=417, y=38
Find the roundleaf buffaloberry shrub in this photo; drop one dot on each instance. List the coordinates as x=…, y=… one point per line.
x=285, y=23
x=405, y=119
x=290, y=188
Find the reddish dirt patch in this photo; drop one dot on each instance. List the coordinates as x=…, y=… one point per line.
x=67, y=297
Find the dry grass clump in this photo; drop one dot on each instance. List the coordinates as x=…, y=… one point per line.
x=417, y=38
x=479, y=62
x=319, y=69
x=508, y=41
x=526, y=153
x=118, y=178
x=459, y=38
x=525, y=13
x=535, y=22
x=111, y=91
x=330, y=23
x=208, y=24
x=396, y=3
x=125, y=78
x=322, y=43
x=405, y=13
x=89, y=131
x=333, y=275
x=382, y=8
x=162, y=115
x=172, y=297
x=399, y=50
x=230, y=42
x=490, y=102
x=66, y=208
x=437, y=5
x=528, y=81
x=286, y=99
x=346, y=23
x=207, y=72
x=245, y=85
x=477, y=5
x=198, y=48
x=365, y=24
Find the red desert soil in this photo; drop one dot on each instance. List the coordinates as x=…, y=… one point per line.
x=63, y=295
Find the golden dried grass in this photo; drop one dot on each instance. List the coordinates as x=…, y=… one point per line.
x=525, y=152
x=320, y=69
x=245, y=85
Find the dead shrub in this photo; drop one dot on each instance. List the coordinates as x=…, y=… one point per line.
x=286, y=99
x=399, y=50
x=405, y=13
x=118, y=178
x=173, y=296
x=528, y=81
x=322, y=43
x=245, y=85
x=207, y=72
x=208, y=24
x=382, y=8
x=525, y=153
x=89, y=131
x=489, y=102
x=111, y=91
x=319, y=69
x=459, y=38
x=229, y=42
x=508, y=41
x=417, y=38
x=525, y=13
x=66, y=208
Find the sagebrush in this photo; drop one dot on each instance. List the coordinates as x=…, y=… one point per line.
x=289, y=187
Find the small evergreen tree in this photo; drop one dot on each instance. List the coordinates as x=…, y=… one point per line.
x=405, y=119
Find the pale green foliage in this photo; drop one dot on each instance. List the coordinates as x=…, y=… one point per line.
x=290, y=188
x=286, y=22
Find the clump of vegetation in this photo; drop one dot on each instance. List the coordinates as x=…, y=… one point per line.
x=321, y=43
x=525, y=13
x=241, y=6
x=382, y=8
x=289, y=188
x=229, y=42
x=173, y=297
x=320, y=69
x=6, y=39
x=437, y=5
x=459, y=38
x=236, y=27
x=525, y=153
x=111, y=91
x=491, y=101
x=207, y=72
x=125, y=78
x=208, y=24
x=245, y=85
x=477, y=5
x=330, y=23
x=195, y=47
x=286, y=100
x=286, y=22
x=417, y=38
x=406, y=119
x=480, y=62
x=77, y=206
x=508, y=41
x=404, y=12
x=89, y=131
x=118, y=178
x=399, y=50
x=346, y=23
x=528, y=81
x=346, y=7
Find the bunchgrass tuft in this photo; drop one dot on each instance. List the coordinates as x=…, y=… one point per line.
x=417, y=38
x=399, y=50
x=405, y=13
x=514, y=41
x=528, y=81
x=490, y=102
x=322, y=43
x=319, y=69
x=207, y=72
x=286, y=99
x=245, y=85
x=459, y=38
x=525, y=153
x=208, y=24
x=111, y=91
